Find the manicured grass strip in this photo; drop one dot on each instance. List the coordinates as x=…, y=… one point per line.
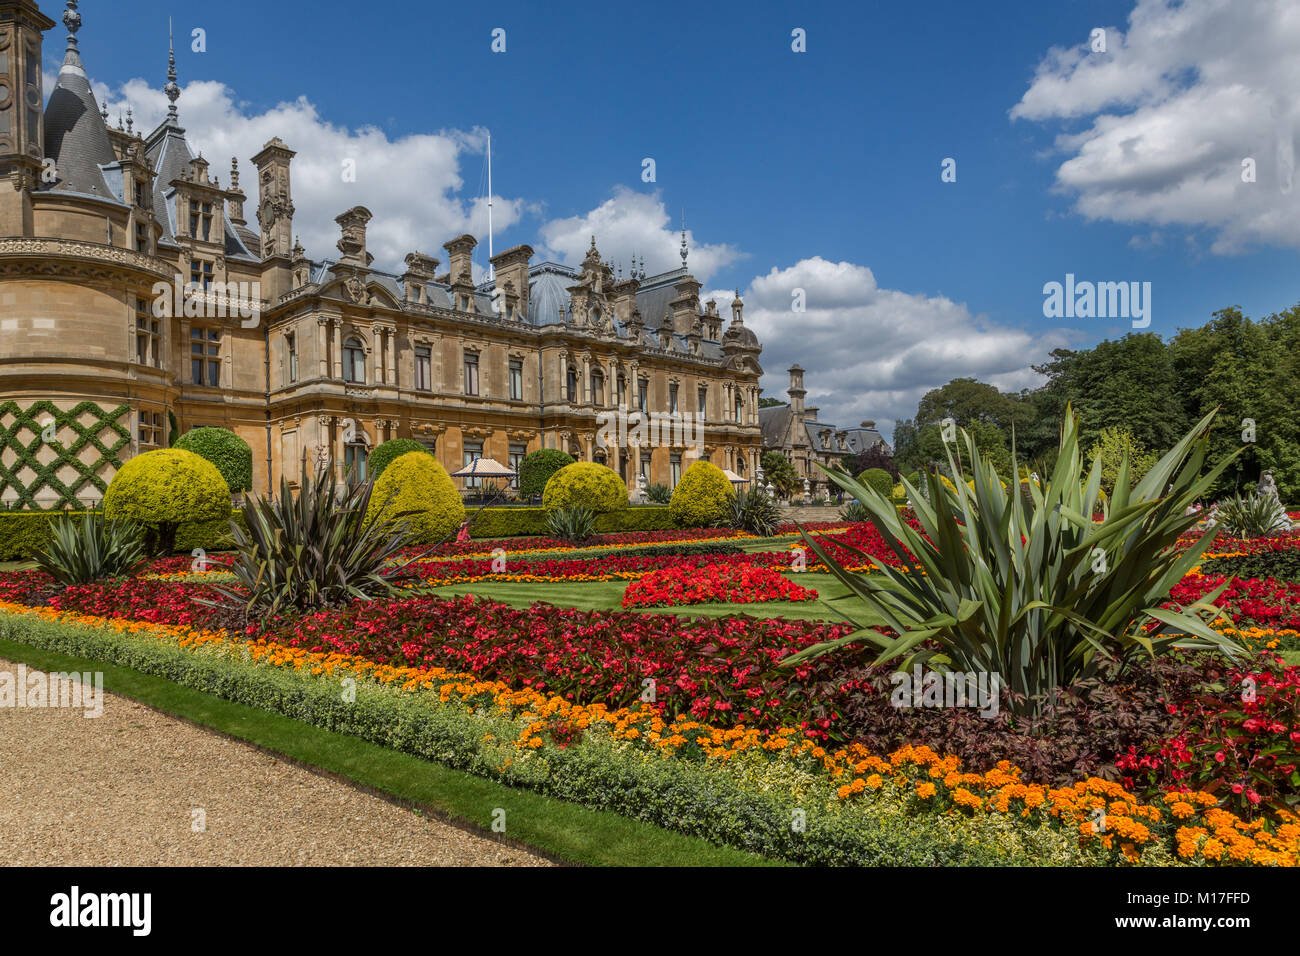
x=559, y=829
x=608, y=595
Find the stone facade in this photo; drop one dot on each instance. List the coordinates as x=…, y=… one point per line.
x=794, y=430
x=310, y=360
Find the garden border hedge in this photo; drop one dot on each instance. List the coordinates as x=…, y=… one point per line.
x=746, y=805
x=530, y=521
x=22, y=532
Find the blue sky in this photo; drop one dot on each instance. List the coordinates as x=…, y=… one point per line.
x=823, y=166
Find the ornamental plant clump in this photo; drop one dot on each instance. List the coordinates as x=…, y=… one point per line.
x=574, y=524
x=1254, y=516
x=418, y=487
x=318, y=548
x=1039, y=596
x=702, y=498
x=388, y=452
x=90, y=549
x=231, y=455
x=585, y=484
x=713, y=584
x=537, y=468
x=754, y=511
x=164, y=489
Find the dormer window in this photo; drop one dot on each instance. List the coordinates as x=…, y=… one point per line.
x=201, y=220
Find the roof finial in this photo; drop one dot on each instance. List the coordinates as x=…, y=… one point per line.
x=130, y=119
x=683, y=239
x=171, y=89
x=72, y=20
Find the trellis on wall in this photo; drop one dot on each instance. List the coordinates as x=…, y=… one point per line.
x=87, y=441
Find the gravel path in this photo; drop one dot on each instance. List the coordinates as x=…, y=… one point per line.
x=124, y=788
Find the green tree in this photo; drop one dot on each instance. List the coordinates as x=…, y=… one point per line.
x=1113, y=446
x=780, y=473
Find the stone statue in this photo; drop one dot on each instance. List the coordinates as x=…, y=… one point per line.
x=1267, y=486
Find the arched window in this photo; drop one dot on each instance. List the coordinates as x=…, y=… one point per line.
x=354, y=361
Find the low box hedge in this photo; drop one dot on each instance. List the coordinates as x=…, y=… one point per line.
x=22, y=532
x=531, y=521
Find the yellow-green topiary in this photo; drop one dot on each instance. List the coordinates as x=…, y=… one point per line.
x=585, y=484
x=702, y=497
x=164, y=489
x=416, y=482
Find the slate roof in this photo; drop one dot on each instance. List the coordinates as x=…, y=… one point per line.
x=76, y=135
x=775, y=422
x=169, y=155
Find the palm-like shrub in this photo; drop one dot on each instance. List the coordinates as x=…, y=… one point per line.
x=231, y=455
x=855, y=511
x=573, y=523
x=702, y=498
x=754, y=511
x=417, y=486
x=91, y=548
x=1039, y=596
x=314, y=549
x=659, y=494
x=585, y=484
x=388, y=452
x=164, y=489
x=1254, y=516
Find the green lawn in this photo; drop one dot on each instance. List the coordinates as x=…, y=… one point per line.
x=607, y=595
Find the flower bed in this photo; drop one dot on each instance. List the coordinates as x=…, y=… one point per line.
x=713, y=583
x=737, y=785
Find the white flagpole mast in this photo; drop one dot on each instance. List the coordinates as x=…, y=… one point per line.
x=491, y=268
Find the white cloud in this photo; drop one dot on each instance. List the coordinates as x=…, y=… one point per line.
x=1173, y=108
x=411, y=183
x=629, y=224
x=869, y=352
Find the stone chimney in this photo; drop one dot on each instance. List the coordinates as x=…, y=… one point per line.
x=686, y=306
x=797, y=392
x=461, y=253
x=420, y=269
x=511, y=269
x=235, y=197
x=352, y=244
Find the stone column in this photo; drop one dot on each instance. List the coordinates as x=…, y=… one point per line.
x=378, y=334
x=337, y=339
x=322, y=346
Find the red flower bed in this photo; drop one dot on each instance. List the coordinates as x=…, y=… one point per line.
x=1266, y=602
x=720, y=668
x=599, y=568
x=1243, y=745
x=713, y=583
x=545, y=543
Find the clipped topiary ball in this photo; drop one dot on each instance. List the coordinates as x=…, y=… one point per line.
x=416, y=482
x=388, y=452
x=164, y=489
x=230, y=453
x=585, y=484
x=537, y=468
x=702, y=498
x=879, y=480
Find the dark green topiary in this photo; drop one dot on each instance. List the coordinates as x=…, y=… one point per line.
x=878, y=480
x=536, y=470
x=388, y=452
x=230, y=453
